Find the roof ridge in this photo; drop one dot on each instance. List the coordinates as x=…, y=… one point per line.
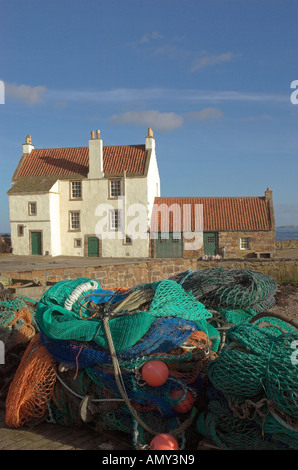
x=86, y=147
x=75, y=160
x=210, y=197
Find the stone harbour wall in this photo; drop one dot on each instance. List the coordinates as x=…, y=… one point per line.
x=284, y=244
x=127, y=275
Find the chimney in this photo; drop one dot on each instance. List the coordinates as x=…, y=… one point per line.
x=150, y=141
x=268, y=195
x=27, y=146
x=269, y=198
x=95, y=156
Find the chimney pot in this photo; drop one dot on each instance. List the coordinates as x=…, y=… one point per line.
x=98, y=134
x=92, y=134
x=28, y=139
x=150, y=132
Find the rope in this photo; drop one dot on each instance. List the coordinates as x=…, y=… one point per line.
x=80, y=396
x=123, y=393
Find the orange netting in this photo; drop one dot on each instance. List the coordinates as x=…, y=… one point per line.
x=32, y=386
x=198, y=339
x=27, y=331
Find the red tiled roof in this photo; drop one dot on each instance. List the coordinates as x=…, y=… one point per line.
x=75, y=161
x=219, y=213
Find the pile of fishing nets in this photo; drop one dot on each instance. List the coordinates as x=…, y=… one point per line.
x=128, y=360
x=253, y=390
x=17, y=328
x=197, y=356
x=236, y=295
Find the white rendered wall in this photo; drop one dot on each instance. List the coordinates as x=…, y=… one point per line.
x=18, y=213
x=94, y=215
x=54, y=208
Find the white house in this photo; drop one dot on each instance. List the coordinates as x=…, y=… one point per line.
x=85, y=201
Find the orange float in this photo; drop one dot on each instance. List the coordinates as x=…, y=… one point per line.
x=164, y=442
x=155, y=373
x=185, y=405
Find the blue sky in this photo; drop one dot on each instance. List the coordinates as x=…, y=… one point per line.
x=211, y=78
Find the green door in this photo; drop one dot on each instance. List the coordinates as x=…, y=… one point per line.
x=93, y=246
x=36, y=243
x=210, y=243
x=170, y=247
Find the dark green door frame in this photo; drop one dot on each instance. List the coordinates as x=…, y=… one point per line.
x=93, y=246
x=170, y=247
x=210, y=243
x=36, y=242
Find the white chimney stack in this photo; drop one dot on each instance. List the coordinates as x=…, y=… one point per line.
x=95, y=156
x=150, y=141
x=27, y=146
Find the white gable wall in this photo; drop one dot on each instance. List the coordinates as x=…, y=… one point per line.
x=19, y=215
x=153, y=184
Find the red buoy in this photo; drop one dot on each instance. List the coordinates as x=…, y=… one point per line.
x=155, y=373
x=164, y=442
x=184, y=405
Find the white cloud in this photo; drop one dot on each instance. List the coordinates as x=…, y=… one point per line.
x=123, y=95
x=147, y=37
x=210, y=60
x=160, y=121
x=204, y=114
x=27, y=94
x=163, y=121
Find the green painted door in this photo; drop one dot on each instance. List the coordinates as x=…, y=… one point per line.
x=210, y=243
x=170, y=247
x=36, y=243
x=93, y=246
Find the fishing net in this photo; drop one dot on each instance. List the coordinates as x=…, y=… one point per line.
x=62, y=324
x=224, y=362
x=254, y=360
x=274, y=326
x=230, y=433
x=254, y=399
x=170, y=300
x=63, y=313
x=17, y=322
x=31, y=388
x=164, y=299
x=163, y=338
x=108, y=413
x=164, y=335
x=230, y=288
x=100, y=340
x=17, y=328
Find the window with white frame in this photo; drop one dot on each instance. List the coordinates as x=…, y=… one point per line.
x=76, y=190
x=115, y=188
x=32, y=208
x=74, y=220
x=244, y=243
x=115, y=219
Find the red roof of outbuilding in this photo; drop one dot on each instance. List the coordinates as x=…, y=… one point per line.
x=219, y=213
x=75, y=161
